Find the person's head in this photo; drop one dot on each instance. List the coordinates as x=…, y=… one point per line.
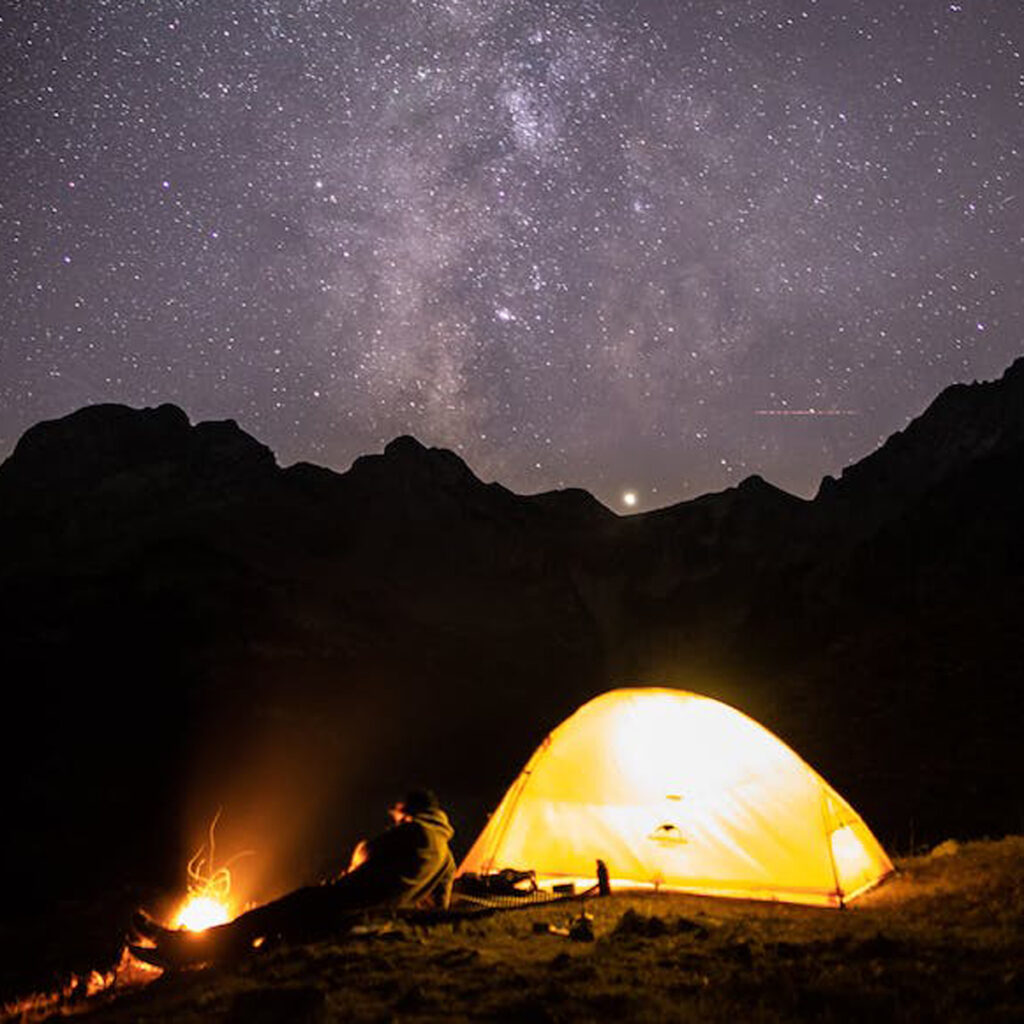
x=416, y=801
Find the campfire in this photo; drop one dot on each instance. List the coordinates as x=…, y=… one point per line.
x=208, y=900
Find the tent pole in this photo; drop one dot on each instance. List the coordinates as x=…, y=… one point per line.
x=524, y=777
x=828, y=840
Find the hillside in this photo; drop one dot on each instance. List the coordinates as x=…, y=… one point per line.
x=941, y=941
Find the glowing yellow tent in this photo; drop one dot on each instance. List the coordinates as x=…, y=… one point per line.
x=680, y=792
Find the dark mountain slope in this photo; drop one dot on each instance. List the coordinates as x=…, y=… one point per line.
x=965, y=423
x=185, y=624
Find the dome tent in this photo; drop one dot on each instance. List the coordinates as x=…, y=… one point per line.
x=681, y=792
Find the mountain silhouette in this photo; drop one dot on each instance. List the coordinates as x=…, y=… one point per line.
x=186, y=624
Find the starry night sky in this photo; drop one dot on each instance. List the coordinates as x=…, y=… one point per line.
x=602, y=243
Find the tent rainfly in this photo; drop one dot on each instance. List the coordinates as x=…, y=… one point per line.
x=679, y=792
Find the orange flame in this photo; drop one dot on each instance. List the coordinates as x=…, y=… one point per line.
x=208, y=901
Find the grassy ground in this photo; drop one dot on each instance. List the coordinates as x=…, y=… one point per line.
x=941, y=941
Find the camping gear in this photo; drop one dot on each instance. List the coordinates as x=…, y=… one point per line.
x=676, y=791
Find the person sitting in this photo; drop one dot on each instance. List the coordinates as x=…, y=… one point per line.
x=408, y=865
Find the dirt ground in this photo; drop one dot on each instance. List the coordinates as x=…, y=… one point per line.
x=943, y=940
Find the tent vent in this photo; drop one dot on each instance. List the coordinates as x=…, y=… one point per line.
x=670, y=835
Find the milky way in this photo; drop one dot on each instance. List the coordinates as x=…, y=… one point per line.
x=644, y=246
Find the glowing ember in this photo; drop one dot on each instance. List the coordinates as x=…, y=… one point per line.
x=199, y=912
x=208, y=902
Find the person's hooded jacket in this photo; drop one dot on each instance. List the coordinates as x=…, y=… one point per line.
x=412, y=860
